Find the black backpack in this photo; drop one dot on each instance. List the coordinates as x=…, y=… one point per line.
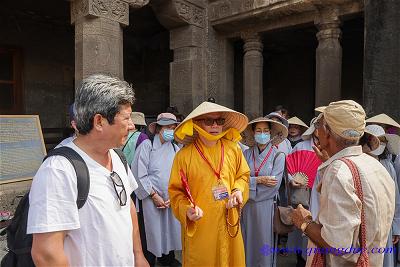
x=18, y=242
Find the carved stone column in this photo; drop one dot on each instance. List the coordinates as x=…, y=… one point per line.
x=98, y=35
x=186, y=21
x=328, y=58
x=187, y=70
x=252, y=75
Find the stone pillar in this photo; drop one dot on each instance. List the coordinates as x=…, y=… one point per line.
x=225, y=68
x=186, y=21
x=328, y=58
x=252, y=75
x=187, y=78
x=98, y=36
x=382, y=58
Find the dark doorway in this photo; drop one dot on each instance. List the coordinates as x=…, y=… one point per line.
x=352, y=59
x=289, y=71
x=146, y=61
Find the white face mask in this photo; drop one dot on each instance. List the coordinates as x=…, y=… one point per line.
x=379, y=150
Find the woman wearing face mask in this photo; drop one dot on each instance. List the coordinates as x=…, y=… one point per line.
x=159, y=230
x=266, y=169
x=382, y=146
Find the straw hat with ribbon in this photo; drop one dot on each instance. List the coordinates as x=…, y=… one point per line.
x=235, y=122
x=297, y=121
x=163, y=119
x=384, y=119
x=390, y=141
x=278, y=132
x=138, y=118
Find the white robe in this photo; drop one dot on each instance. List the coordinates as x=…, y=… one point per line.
x=296, y=238
x=151, y=167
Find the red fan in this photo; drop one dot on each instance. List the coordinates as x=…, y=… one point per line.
x=187, y=189
x=303, y=165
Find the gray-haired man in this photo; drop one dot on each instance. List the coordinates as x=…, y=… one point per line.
x=104, y=231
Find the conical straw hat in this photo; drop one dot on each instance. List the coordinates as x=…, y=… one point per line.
x=233, y=119
x=393, y=140
x=297, y=121
x=278, y=132
x=383, y=119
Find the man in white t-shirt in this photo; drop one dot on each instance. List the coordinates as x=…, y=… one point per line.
x=104, y=232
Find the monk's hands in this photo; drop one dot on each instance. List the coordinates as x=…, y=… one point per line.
x=235, y=199
x=159, y=201
x=194, y=214
x=395, y=239
x=300, y=215
x=269, y=181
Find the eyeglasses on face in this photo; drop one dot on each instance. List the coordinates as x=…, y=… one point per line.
x=210, y=121
x=119, y=188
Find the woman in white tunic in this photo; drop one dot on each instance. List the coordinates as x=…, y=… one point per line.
x=151, y=167
x=388, y=144
x=296, y=238
x=266, y=169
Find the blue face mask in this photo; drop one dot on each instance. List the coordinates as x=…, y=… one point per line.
x=168, y=135
x=262, y=138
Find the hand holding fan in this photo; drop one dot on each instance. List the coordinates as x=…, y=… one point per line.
x=187, y=189
x=303, y=165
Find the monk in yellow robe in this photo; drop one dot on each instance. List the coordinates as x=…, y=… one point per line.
x=217, y=175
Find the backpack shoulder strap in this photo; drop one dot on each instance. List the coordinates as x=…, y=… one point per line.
x=81, y=170
x=121, y=155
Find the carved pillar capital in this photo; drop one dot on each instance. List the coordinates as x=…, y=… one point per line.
x=328, y=23
x=252, y=41
x=176, y=13
x=115, y=10
x=328, y=56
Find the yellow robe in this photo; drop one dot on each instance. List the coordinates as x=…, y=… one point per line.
x=206, y=242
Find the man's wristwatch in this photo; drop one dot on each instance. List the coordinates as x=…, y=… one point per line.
x=305, y=224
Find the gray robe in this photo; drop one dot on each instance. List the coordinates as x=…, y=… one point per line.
x=257, y=228
x=151, y=167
